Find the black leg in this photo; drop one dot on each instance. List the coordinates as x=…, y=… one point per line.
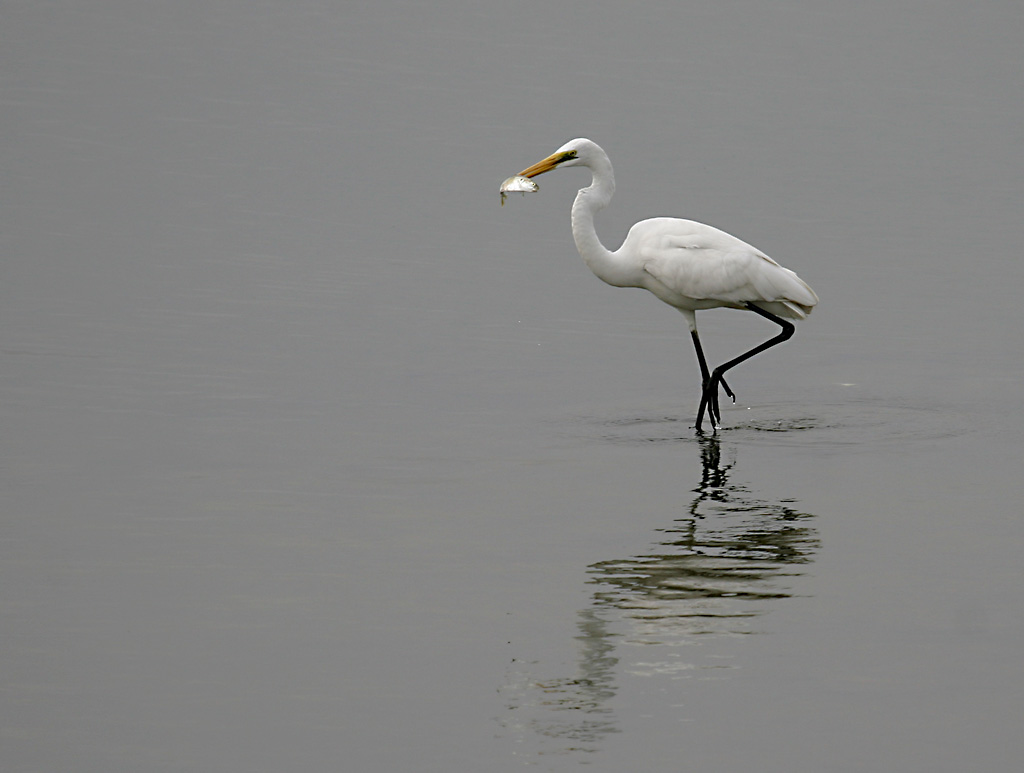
x=705, y=374
x=709, y=400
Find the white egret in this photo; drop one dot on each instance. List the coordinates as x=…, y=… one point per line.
x=688, y=265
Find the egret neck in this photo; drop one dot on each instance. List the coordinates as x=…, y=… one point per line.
x=605, y=264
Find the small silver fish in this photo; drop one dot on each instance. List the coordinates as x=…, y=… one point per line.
x=517, y=184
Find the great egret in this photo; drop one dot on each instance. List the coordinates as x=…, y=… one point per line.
x=688, y=265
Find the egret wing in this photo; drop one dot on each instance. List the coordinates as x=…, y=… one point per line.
x=700, y=262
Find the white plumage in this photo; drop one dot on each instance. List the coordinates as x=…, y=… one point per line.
x=688, y=265
x=699, y=267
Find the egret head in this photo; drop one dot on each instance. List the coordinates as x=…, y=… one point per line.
x=573, y=153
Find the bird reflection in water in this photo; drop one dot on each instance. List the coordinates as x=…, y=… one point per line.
x=715, y=568
x=674, y=614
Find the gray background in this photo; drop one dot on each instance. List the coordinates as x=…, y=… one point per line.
x=315, y=458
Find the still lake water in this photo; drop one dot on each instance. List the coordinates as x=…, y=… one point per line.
x=315, y=458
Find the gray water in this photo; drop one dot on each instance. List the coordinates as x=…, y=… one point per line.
x=315, y=458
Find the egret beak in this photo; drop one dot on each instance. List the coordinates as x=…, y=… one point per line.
x=546, y=165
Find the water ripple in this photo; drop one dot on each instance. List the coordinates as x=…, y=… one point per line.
x=846, y=424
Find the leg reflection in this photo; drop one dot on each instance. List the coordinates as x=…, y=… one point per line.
x=716, y=567
x=677, y=612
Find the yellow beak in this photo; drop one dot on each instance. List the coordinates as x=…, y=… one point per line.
x=546, y=165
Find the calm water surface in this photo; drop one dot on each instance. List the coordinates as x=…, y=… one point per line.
x=315, y=458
